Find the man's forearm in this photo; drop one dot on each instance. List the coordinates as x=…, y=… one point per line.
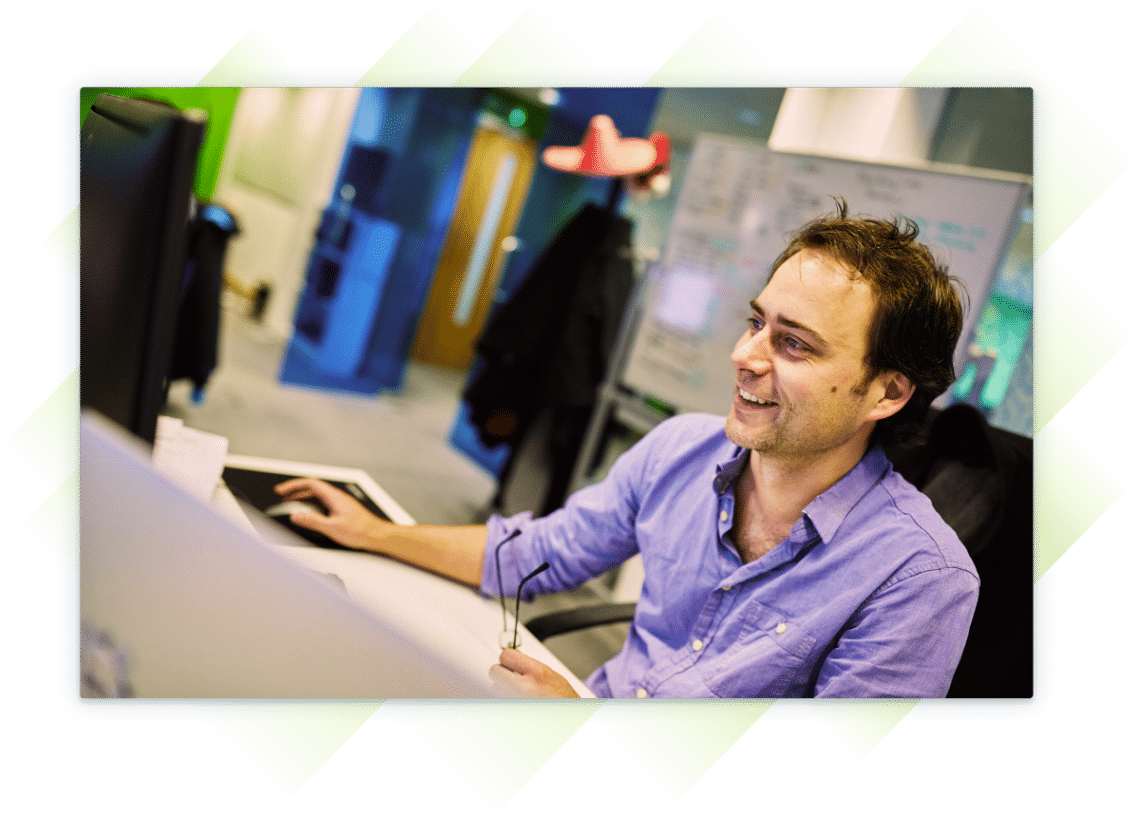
x=455, y=552
x=451, y=551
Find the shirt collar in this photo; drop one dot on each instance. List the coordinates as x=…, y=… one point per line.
x=827, y=511
x=728, y=471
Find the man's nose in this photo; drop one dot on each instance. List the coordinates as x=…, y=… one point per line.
x=754, y=353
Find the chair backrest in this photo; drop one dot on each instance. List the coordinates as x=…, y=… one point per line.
x=980, y=479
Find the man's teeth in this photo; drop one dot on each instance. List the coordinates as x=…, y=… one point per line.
x=753, y=399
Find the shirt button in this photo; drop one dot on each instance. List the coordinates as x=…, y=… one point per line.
x=698, y=644
x=723, y=516
x=783, y=626
x=726, y=588
x=642, y=693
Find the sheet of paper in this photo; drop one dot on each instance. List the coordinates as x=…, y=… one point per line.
x=191, y=458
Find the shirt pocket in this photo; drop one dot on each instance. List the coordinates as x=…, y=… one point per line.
x=765, y=650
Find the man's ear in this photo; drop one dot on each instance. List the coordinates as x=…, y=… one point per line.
x=896, y=391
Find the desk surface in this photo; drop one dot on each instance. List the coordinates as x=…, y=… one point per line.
x=452, y=615
x=456, y=618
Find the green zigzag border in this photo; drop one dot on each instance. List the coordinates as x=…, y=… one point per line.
x=861, y=726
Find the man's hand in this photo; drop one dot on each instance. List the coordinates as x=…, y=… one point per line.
x=518, y=675
x=452, y=551
x=347, y=522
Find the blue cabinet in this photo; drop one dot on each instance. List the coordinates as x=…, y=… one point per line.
x=375, y=252
x=348, y=272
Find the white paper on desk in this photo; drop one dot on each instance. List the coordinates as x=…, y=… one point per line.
x=191, y=458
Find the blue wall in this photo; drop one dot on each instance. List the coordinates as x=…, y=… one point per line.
x=416, y=143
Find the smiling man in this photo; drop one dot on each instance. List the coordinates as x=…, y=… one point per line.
x=783, y=556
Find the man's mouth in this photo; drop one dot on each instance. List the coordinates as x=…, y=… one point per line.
x=750, y=398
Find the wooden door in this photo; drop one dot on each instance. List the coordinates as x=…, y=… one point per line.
x=495, y=183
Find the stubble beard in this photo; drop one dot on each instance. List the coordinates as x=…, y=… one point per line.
x=785, y=438
x=765, y=441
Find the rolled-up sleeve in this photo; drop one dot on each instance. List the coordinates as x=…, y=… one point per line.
x=594, y=531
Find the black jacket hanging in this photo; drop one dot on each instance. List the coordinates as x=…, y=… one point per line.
x=549, y=344
x=195, y=353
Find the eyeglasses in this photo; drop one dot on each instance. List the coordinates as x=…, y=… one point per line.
x=513, y=642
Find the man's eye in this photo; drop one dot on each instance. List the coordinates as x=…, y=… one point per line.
x=755, y=324
x=795, y=344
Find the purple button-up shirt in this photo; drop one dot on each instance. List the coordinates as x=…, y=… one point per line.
x=871, y=595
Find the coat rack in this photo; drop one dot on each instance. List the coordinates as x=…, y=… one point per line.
x=637, y=165
x=641, y=166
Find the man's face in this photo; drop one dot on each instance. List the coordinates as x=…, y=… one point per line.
x=801, y=388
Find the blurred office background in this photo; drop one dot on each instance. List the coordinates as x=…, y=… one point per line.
x=378, y=229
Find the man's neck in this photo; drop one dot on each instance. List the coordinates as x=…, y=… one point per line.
x=783, y=488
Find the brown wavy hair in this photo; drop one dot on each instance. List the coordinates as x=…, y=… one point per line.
x=918, y=314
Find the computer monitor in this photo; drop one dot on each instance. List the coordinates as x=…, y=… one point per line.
x=180, y=601
x=137, y=162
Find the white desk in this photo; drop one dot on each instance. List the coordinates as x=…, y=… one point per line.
x=445, y=613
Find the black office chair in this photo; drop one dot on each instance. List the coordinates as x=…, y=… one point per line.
x=980, y=479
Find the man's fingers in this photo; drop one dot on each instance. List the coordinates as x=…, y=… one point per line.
x=517, y=661
x=304, y=487
x=501, y=675
x=309, y=519
x=536, y=679
x=292, y=485
x=507, y=683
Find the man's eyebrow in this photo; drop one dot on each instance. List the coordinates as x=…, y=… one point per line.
x=788, y=322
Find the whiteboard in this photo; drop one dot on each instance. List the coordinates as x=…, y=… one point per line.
x=737, y=207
